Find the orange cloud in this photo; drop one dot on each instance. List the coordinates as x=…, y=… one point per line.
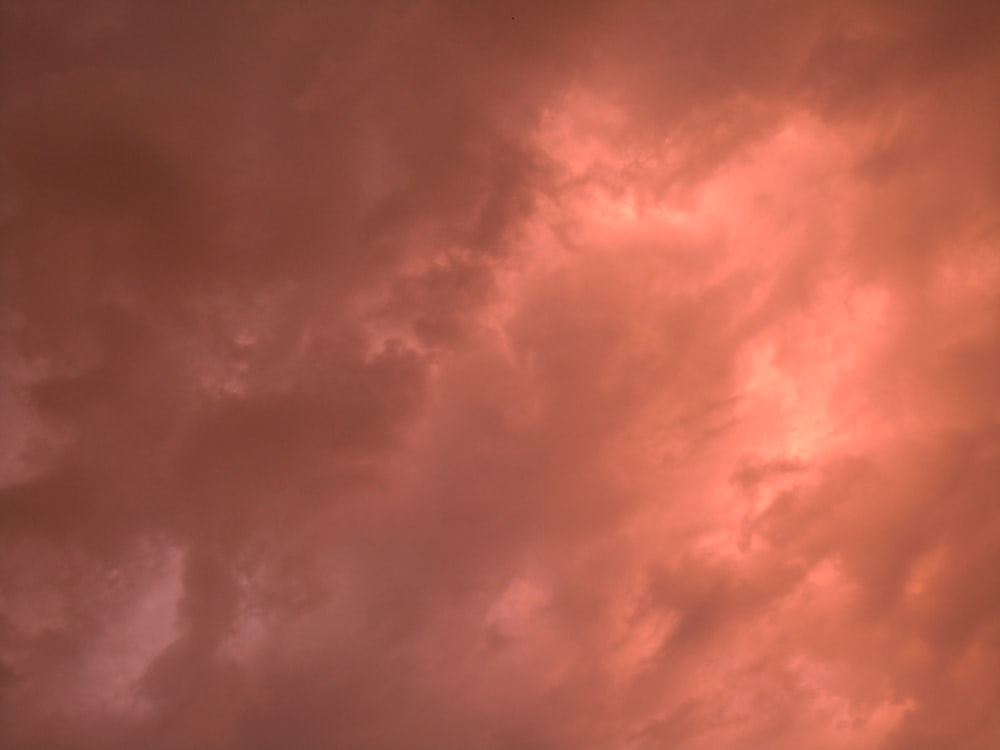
x=548, y=376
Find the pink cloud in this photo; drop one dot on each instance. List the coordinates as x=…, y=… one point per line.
x=439, y=375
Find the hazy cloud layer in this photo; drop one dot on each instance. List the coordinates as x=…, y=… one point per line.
x=500, y=375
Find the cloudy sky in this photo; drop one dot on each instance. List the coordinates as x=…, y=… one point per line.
x=564, y=375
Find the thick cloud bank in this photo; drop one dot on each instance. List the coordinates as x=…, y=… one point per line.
x=500, y=376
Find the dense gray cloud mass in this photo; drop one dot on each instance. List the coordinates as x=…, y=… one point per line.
x=499, y=375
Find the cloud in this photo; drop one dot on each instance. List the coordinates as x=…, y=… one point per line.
x=608, y=376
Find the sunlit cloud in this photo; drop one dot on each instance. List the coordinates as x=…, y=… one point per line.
x=586, y=375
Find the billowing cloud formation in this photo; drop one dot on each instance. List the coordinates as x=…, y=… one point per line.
x=482, y=375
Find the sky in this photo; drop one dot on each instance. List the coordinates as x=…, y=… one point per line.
x=567, y=375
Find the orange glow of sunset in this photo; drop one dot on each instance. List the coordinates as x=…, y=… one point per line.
x=560, y=375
